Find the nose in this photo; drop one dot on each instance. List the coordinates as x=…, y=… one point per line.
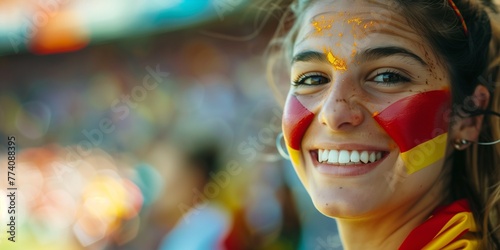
x=341, y=110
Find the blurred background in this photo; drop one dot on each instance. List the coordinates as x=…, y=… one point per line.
x=147, y=124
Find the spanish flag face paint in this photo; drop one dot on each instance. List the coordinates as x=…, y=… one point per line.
x=419, y=126
x=296, y=120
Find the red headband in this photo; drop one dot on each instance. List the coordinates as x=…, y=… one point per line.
x=460, y=17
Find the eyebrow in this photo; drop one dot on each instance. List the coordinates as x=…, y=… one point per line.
x=367, y=55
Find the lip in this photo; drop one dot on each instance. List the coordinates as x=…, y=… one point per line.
x=349, y=146
x=336, y=170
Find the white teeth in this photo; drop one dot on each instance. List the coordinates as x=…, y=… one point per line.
x=344, y=156
x=354, y=156
x=364, y=157
x=333, y=156
x=324, y=156
x=372, y=157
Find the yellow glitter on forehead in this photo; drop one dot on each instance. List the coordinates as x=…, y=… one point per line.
x=369, y=24
x=316, y=26
x=337, y=63
x=356, y=20
x=321, y=24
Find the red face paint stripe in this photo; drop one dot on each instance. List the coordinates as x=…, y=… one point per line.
x=296, y=120
x=416, y=119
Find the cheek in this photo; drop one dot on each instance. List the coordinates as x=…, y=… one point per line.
x=296, y=120
x=419, y=125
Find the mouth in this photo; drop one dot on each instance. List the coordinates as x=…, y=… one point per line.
x=347, y=157
x=345, y=162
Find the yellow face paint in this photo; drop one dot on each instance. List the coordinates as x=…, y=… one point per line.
x=337, y=63
x=321, y=24
x=353, y=53
x=316, y=26
x=355, y=20
x=369, y=24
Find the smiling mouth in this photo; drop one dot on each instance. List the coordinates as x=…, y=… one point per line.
x=347, y=157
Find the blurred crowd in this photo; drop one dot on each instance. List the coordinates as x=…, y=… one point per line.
x=165, y=141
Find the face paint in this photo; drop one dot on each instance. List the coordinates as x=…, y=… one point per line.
x=369, y=25
x=321, y=24
x=355, y=20
x=337, y=63
x=419, y=127
x=296, y=120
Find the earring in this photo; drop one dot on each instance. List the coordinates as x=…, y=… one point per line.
x=489, y=143
x=279, y=146
x=461, y=144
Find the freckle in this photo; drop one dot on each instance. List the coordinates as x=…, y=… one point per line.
x=440, y=78
x=410, y=90
x=339, y=188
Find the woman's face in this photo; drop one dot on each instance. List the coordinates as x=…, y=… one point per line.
x=366, y=117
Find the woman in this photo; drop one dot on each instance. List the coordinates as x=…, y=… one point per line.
x=387, y=115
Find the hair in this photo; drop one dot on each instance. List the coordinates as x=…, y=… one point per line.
x=471, y=58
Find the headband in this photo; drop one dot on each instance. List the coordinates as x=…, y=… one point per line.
x=460, y=17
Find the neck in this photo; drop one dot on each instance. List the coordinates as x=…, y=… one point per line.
x=388, y=229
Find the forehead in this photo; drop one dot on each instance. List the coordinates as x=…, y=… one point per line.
x=355, y=20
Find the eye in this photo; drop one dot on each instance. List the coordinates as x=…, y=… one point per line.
x=390, y=78
x=313, y=78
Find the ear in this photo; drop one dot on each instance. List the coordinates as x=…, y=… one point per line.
x=468, y=128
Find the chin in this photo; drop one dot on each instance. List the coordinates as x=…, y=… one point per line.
x=351, y=197
x=345, y=203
